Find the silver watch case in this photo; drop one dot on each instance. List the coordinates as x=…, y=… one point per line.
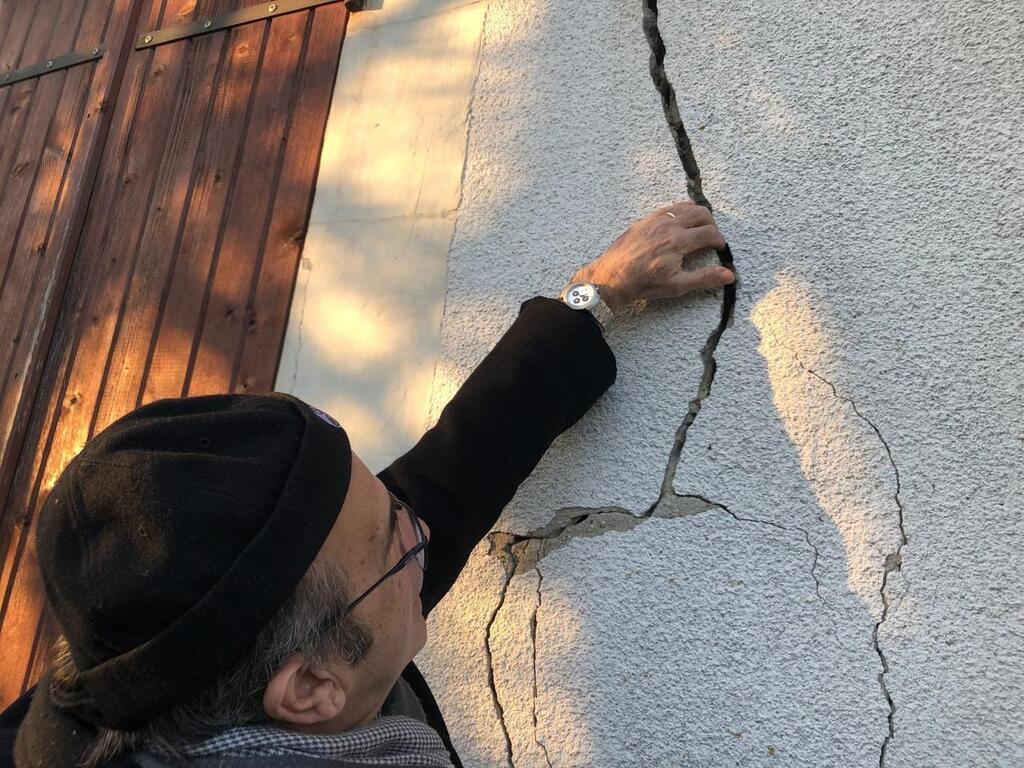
x=583, y=295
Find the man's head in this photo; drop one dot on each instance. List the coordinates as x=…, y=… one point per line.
x=186, y=528
x=371, y=535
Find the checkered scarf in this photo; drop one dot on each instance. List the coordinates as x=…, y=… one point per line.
x=394, y=740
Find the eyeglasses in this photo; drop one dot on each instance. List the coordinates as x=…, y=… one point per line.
x=417, y=550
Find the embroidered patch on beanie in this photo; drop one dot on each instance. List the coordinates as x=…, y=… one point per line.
x=325, y=416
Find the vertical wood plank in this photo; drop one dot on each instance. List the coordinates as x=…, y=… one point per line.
x=267, y=321
x=247, y=219
x=18, y=150
x=41, y=246
x=195, y=65
x=220, y=155
x=17, y=18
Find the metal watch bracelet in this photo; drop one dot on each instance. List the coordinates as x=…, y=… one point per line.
x=583, y=295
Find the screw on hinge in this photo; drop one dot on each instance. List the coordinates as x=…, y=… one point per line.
x=207, y=24
x=272, y=7
x=147, y=39
x=49, y=63
x=95, y=50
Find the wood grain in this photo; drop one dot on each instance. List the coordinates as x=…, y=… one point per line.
x=184, y=257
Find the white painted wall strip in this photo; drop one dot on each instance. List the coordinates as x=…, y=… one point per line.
x=364, y=331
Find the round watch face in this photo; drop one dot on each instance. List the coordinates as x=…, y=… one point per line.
x=582, y=295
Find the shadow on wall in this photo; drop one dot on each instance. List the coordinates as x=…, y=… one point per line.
x=814, y=143
x=576, y=714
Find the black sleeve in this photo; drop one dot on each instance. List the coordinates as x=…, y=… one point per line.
x=545, y=372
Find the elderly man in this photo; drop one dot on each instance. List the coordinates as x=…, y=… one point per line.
x=235, y=588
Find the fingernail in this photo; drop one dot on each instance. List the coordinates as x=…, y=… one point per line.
x=727, y=274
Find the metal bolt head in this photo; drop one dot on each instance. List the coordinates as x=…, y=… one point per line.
x=95, y=50
x=207, y=24
x=272, y=7
x=49, y=63
x=147, y=39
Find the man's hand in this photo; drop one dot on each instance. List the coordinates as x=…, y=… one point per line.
x=646, y=261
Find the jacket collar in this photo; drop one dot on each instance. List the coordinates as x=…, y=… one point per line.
x=50, y=736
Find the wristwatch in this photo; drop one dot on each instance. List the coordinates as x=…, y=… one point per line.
x=580, y=294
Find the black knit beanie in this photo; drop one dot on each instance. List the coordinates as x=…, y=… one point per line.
x=177, y=533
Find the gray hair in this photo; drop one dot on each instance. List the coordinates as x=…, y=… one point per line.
x=312, y=622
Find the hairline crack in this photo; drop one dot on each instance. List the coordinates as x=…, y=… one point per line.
x=893, y=560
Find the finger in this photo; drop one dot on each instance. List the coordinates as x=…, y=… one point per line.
x=696, y=216
x=703, y=279
x=695, y=238
x=676, y=209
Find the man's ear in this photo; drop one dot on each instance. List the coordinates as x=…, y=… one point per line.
x=299, y=694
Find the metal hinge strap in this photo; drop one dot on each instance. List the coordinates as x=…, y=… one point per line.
x=52, y=65
x=245, y=15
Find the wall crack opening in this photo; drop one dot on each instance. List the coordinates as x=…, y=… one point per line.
x=694, y=189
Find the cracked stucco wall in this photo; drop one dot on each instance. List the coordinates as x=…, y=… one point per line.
x=793, y=538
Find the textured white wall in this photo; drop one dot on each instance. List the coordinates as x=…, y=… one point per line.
x=864, y=160
x=868, y=156
x=830, y=573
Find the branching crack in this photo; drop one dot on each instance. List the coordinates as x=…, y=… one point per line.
x=519, y=553
x=893, y=561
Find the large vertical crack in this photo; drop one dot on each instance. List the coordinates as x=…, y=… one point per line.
x=893, y=561
x=670, y=105
x=695, y=190
x=569, y=523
